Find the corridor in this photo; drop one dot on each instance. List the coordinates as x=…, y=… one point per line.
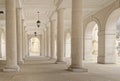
x=44, y=69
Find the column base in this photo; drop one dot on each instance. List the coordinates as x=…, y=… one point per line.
x=106, y=60
x=52, y=58
x=77, y=69
x=60, y=62
x=11, y=69
x=21, y=62
x=101, y=60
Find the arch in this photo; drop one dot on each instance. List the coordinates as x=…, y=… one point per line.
x=112, y=22
x=34, y=46
x=110, y=36
x=88, y=43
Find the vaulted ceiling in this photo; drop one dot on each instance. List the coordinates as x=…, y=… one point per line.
x=47, y=10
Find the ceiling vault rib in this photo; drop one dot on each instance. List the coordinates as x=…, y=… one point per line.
x=57, y=6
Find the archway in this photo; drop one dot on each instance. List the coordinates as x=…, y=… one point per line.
x=34, y=47
x=91, y=42
x=110, y=37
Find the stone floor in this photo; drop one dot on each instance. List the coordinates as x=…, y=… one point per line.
x=44, y=69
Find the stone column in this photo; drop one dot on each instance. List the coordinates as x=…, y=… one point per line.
x=77, y=37
x=45, y=44
x=19, y=36
x=106, y=48
x=23, y=40
x=101, y=46
x=60, y=36
x=52, y=22
x=11, y=42
x=48, y=41
x=27, y=45
x=65, y=44
x=0, y=44
x=40, y=45
x=43, y=41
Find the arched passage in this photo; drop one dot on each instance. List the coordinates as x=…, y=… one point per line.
x=110, y=36
x=34, y=47
x=91, y=42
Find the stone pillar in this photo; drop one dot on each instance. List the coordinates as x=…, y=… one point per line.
x=77, y=37
x=45, y=43
x=106, y=48
x=52, y=39
x=19, y=36
x=48, y=41
x=42, y=45
x=27, y=45
x=110, y=56
x=60, y=36
x=23, y=40
x=65, y=44
x=101, y=46
x=0, y=44
x=11, y=42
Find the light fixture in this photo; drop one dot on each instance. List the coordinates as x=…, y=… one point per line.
x=38, y=21
x=35, y=33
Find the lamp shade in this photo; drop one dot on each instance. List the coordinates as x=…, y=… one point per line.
x=38, y=23
x=35, y=33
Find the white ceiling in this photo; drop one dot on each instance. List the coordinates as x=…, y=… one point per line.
x=47, y=7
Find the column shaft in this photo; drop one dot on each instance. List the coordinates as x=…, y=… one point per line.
x=60, y=36
x=45, y=43
x=0, y=44
x=27, y=46
x=48, y=41
x=40, y=45
x=77, y=37
x=19, y=36
x=43, y=48
x=52, y=39
x=23, y=39
x=106, y=51
x=11, y=42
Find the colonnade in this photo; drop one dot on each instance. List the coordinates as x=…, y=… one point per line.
x=16, y=43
